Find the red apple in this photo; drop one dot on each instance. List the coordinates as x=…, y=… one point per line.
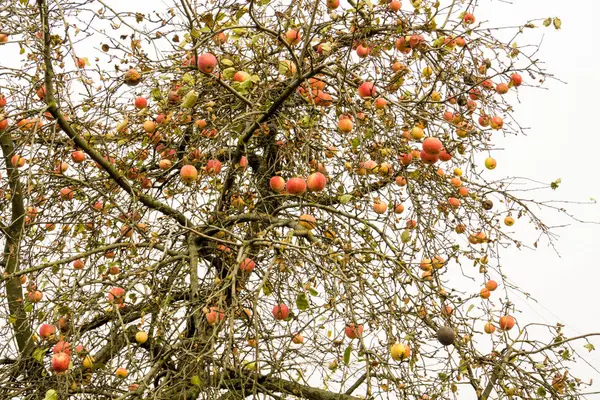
x=66, y=193
x=516, y=79
x=78, y=156
x=367, y=89
x=47, y=330
x=316, y=182
x=362, y=51
x=214, y=314
x=213, y=167
x=207, y=63
x=188, y=173
x=60, y=362
x=332, y=4
x=78, y=264
x=280, y=312
x=469, y=18
x=116, y=295
x=502, y=88
x=432, y=145
x=295, y=186
x=277, y=184
x=428, y=158
x=292, y=37
x=62, y=347
x=395, y=5
x=247, y=265
x=140, y=102
x=353, y=331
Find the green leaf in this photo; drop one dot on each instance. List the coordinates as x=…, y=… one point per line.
x=39, y=353
x=347, y=354
x=313, y=292
x=302, y=301
x=229, y=72
x=188, y=79
x=565, y=354
x=267, y=288
x=226, y=62
x=51, y=395
x=405, y=236
x=541, y=391
x=344, y=199
x=589, y=347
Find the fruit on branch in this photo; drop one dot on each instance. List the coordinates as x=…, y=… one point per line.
x=214, y=315
x=116, y=295
x=332, y=4
x=362, y=51
x=345, y=125
x=484, y=293
x=247, y=265
x=293, y=37
x=213, y=167
x=516, y=79
x=78, y=264
x=78, y=156
x=316, y=182
x=88, y=362
x=121, y=373
x=188, y=173
x=469, y=18
x=490, y=163
x=141, y=337
x=509, y=221
x=367, y=89
x=506, y=322
x=502, y=88
x=400, y=351
x=241, y=76
x=446, y=335
x=432, y=145
x=353, y=331
x=277, y=184
x=47, y=331
x=62, y=347
x=395, y=5
x=280, y=312
x=491, y=285
x=489, y=328
x=207, y=63
x=66, y=193
x=307, y=221
x=60, y=362
x=140, y=102
x=295, y=186
x=379, y=207
x=298, y=339
x=17, y=161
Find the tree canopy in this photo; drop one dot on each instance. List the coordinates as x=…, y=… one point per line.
x=265, y=199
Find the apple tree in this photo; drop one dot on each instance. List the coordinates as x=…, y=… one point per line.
x=265, y=199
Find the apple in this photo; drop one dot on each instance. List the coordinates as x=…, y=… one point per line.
x=66, y=193
x=41, y=92
x=353, y=331
x=516, y=79
x=490, y=163
x=379, y=207
x=47, y=331
x=3, y=38
x=3, y=123
x=332, y=4
x=78, y=156
x=60, y=362
x=213, y=167
x=173, y=98
x=88, y=362
x=2, y=101
x=280, y=312
x=496, y=123
x=247, y=265
x=502, y=88
x=277, y=184
x=241, y=76
x=469, y=18
x=489, y=328
x=121, y=373
x=298, y=339
x=380, y=103
x=292, y=37
x=207, y=63
x=454, y=202
x=484, y=293
x=491, y=285
x=80, y=62
x=345, y=125
x=295, y=186
x=506, y=322
x=188, y=173
x=35, y=296
x=367, y=89
x=214, y=314
x=362, y=51
x=116, y=295
x=17, y=161
x=417, y=133
x=444, y=155
x=509, y=221
x=428, y=158
x=62, y=347
x=220, y=38
x=132, y=77
x=432, y=145
x=400, y=351
x=307, y=221
x=78, y=264
x=141, y=337
x=395, y=5
x=316, y=182
x=140, y=102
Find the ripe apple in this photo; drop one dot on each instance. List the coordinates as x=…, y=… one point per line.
x=3, y=123
x=491, y=285
x=379, y=207
x=502, y=88
x=188, y=173
x=353, y=331
x=316, y=182
x=298, y=339
x=220, y=38
x=78, y=264
x=509, y=221
x=60, y=362
x=490, y=163
x=496, y=123
x=489, y=328
x=367, y=89
x=121, y=373
x=307, y=221
x=2, y=100
x=506, y=322
x=417, y=133
x=247, y=265
x=3, y=38
x=516, y=79
x=277, y=184
x=380, y=103
x=362, y=51
x=469, y=18
x=400, y=351
x=62, y=347
x=66, y=193
x=395, y=5
x=80, y=62
x=280, y=312
x=241, y=76
x=295, y=186
x=332, y=4
x=398, y=209
x=141, y=337
x=213, y=314
x=47, y=331
x=35, y=296
x=485, y=293
x=207, y=63
x=427, y=158
x=116, y=295
x=432, y=145
x=140, y=102
x=345, y=125
x=292, y=37
x=78, y=156
x=454, y=202
x=213, y=167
